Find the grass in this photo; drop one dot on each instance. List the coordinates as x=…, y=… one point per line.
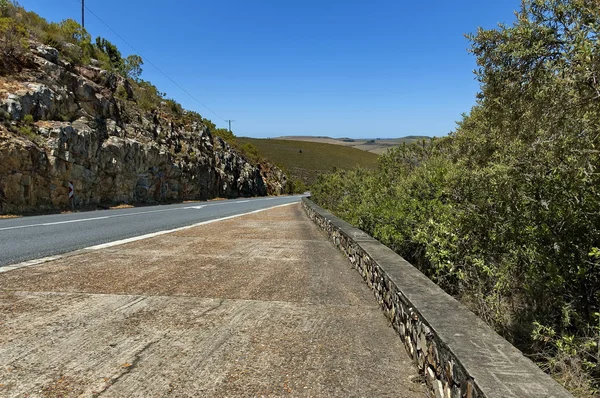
x=305, y=160
x=121, y=206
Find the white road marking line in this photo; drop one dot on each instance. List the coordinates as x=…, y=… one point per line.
x=99, y=218
x=152, y=235
x=43, y=260
x=29, y=263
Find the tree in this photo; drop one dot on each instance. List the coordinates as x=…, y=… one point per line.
x=538, y=117
x=113, y=53
x=132, y=67
x=71, y=32
x=74, y=33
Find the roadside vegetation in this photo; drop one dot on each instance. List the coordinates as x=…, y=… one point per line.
x=304, y=161
x=504, y=213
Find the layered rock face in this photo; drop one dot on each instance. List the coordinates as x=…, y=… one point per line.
x=110, y=149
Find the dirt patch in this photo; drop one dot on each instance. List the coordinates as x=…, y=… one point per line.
x=8, y=86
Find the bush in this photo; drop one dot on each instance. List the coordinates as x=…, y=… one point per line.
x=13, y=44
x=173, y=108
x=295, y=186
x=112, y=53
x=5, y=8
x=4, y=116
x=27, y=132
x=147, y=95
x=72, y=40
x=224, y=134
x=132, y=67
x=121, y=93
x=251, y=152
x=504, y=213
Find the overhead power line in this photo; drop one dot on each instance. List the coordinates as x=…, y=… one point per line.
x=84, y=7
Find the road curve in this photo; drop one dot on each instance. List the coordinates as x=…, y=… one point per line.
x=29, y=238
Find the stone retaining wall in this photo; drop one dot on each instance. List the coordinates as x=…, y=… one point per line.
x=458, y=354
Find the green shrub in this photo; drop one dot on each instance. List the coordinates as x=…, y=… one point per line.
x=4, y=115
x=27, y=132
x=13, y=44
x=121, y=93
x=503, y=214
x=112, y=52
x=5, y=8
x=295, y=186
x=251, y=152
x=173, y=108
x=68, y=37
x=36, y=25
x=223, y=133
x=147, y=95
x=132, y=67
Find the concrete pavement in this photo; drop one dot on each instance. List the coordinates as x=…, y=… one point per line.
x=259, y=305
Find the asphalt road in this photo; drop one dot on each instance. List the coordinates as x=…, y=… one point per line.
x=29, y=238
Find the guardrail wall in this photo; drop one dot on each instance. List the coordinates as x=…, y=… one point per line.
x=458, y=354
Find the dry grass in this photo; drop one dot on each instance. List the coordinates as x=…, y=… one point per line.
x=376, y=145
x=305, y=160
x=10, y=86
x=3, y=216
x=121, y=206
x=570, y=372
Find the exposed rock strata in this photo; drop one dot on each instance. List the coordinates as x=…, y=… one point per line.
x=110, y=149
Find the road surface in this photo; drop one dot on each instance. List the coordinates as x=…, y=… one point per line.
x=29, y=238
x=261, y=305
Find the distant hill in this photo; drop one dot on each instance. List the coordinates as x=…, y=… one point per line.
x=374, y=145
x=304, y=160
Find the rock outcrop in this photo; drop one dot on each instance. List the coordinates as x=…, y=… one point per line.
x=62, y=124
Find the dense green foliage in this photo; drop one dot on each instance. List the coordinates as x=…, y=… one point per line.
x=505, y=212
x=305, y=160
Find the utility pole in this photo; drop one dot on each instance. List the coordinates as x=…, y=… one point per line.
x=83, y=13
x=229, y=121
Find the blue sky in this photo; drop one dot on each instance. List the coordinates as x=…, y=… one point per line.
x=341, y=68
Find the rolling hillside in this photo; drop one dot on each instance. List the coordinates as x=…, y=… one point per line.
x=377, y=145
x=305, y=160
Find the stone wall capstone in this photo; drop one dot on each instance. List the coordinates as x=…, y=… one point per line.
x=458, y=355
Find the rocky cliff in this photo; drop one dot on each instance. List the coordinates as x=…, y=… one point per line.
x=61, y=123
